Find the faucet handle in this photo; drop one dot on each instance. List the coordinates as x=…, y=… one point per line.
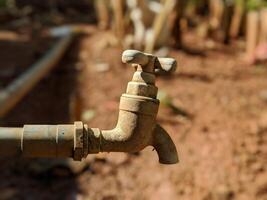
x=149, y=62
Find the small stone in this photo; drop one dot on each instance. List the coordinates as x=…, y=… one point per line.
x=261, y=184
x=102, y=67
x=263, y=121
x=101, y=156
x=263, y=95
x=257, y=167
x=88, y=115
x=210, y=44
x=77, y=166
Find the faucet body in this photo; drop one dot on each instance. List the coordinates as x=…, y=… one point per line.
x=136, y=126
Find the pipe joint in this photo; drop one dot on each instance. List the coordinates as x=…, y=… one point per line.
x=137, y=104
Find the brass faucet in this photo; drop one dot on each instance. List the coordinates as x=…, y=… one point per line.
x=136, y=127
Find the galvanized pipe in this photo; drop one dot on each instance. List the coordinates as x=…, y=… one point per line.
x=14, y=92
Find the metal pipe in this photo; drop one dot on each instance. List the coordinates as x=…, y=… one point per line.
x=14, y=92
x=41, y=141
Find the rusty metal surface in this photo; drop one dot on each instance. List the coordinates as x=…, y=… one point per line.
x=136, y=128
x=78, y=141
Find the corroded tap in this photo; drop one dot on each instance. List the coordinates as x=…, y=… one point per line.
x=136, y=127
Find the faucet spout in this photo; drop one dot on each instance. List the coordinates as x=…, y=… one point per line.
x=164, y=146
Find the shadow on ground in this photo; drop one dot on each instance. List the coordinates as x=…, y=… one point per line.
x=48, y=103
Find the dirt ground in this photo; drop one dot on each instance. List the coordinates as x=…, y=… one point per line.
x=222, y=146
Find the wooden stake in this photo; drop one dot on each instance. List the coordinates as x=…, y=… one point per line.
x=252, y=33
x=176, y=29
x=237, y=19
x=148, y=15
x=190, y=10
x=118, y=16
x=226, y=22
x=102, y=12
x=139, y=28
x=160, y=25
x=216, y=13
x=263, y=26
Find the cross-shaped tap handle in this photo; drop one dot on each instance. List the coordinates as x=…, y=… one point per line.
x=149, y=62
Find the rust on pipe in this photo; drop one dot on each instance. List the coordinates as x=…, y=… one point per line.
x=136, y=127
x=14, y=92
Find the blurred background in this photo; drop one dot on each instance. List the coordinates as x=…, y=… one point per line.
x=214, y=106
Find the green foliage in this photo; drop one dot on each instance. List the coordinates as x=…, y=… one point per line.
x=255, y=4
x=239, y=2
x=196, y=2
x=3, y=3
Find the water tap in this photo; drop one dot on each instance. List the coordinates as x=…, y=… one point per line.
x=136, y=127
